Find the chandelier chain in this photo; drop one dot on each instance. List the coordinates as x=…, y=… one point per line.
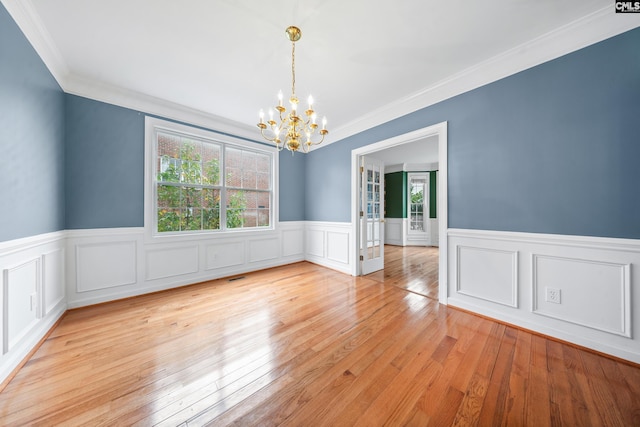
x=293, y=68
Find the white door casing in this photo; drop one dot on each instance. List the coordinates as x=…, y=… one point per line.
x=439, y=129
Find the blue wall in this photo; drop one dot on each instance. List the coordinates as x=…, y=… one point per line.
x=31, y=139
x=104, y=159
x=105, y=168
x=553, y=149
x=291, y=179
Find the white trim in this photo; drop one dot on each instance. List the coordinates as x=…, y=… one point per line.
x=47, y=278
x=208, y=259
x=28, y=20
x=593, y=242
x=598, y=308
x=624, y=271
x=152, y=126
x=337, y=240
x=151, y=105
x=585, y=31
x=576, y=35
x=439, y=130
x=512, y=265
x=18, y=245
x=329, y=244
x=414, y=237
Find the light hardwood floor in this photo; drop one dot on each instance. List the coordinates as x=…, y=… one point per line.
x=302, y=345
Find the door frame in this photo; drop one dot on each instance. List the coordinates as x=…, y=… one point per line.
x=440, y=130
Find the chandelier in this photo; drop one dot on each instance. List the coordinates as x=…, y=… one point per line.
x=293, y=130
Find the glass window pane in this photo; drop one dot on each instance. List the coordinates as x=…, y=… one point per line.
x=236, y=205
x=194, y=168
x=168, y=219
x=169, y=196
x=264, y=181
x=263, y=218
x=211, y=219
x=191, y=219
x=249, y=179
x=211, y=198
x=211, y=164
x=264, y=200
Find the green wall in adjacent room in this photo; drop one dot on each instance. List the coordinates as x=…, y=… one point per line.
x=395, y=195
x=433, y=199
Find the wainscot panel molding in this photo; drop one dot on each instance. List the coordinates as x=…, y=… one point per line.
x=329, y=244
x=105, y=265
x=32, y=294
x=145, y=265
x=574, y=288
x=395, y=231
x=487, y=274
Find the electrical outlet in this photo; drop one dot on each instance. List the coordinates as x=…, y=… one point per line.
x=552, y=295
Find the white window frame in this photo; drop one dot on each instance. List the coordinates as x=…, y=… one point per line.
x=425, y=203
x=152, y=127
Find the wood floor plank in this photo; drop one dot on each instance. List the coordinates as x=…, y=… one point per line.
x=305, y=345
x=538, y=411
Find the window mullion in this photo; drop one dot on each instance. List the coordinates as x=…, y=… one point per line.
x=176, y=158
x=223, y=190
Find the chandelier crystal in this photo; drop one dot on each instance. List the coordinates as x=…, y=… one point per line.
x=295, y=130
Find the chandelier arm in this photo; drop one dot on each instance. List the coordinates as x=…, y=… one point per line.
x=266, y=137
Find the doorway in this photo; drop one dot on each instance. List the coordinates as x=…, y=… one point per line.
x=440, y=131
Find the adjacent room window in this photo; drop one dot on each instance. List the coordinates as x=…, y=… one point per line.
x=203, y=182
x=418, y=201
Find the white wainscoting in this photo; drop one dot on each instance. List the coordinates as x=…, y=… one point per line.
x=32, y=294
x=119, y=263
x=497, y=274
x=507, y=276
x=487, y=274
x=329, y=244
x=395, y=231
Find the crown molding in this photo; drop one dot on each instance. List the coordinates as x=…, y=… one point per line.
x=25, y=16
x=593, y=28
x=115, y=95
x=588, y=30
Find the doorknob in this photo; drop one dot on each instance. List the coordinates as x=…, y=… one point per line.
x=382, y=220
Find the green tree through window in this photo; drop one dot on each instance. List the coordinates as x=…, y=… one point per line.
x=189, y=187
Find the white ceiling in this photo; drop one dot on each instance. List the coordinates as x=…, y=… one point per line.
x=364, y=61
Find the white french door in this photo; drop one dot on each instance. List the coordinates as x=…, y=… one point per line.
x=371, y=215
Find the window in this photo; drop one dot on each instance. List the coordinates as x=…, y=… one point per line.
x=418, y=190
x=203, y=182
